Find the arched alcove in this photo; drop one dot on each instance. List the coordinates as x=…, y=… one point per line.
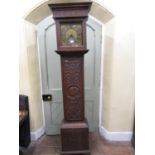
x=29, y=64
x=41, y=11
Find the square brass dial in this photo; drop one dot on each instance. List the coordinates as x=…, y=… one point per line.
x=71, y=34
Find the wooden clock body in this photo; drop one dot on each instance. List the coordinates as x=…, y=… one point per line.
x=71, y=45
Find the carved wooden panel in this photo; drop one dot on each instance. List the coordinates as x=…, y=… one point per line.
x=72, y=68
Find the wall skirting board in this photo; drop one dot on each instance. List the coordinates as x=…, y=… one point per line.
x=112, y=136
x=37, y=134
x=115, y=136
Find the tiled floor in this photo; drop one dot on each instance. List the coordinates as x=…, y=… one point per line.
x=50, y=145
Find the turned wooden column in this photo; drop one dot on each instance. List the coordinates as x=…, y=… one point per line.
x=70, y=21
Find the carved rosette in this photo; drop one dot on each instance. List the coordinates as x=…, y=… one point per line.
x=73, y=88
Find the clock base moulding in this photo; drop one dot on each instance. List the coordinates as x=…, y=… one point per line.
x=75, y=138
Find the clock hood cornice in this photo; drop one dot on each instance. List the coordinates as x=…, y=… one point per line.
x=70, y=10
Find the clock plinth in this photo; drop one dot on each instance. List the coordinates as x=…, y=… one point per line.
x=71, y=43
x=75, y=137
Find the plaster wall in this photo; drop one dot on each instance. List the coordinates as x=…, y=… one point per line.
x=118, y=95
x=29, y=74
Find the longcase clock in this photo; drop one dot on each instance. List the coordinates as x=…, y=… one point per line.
x=70, y=21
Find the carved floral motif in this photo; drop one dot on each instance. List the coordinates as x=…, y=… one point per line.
x=73, y=88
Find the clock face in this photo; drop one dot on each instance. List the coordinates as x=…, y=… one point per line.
x=71, y=34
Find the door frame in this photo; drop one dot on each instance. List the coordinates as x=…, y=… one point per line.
x=101, y=87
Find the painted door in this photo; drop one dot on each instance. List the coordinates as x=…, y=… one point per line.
x=51, y=74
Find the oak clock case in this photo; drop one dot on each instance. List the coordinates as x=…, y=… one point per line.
x=71, y=45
